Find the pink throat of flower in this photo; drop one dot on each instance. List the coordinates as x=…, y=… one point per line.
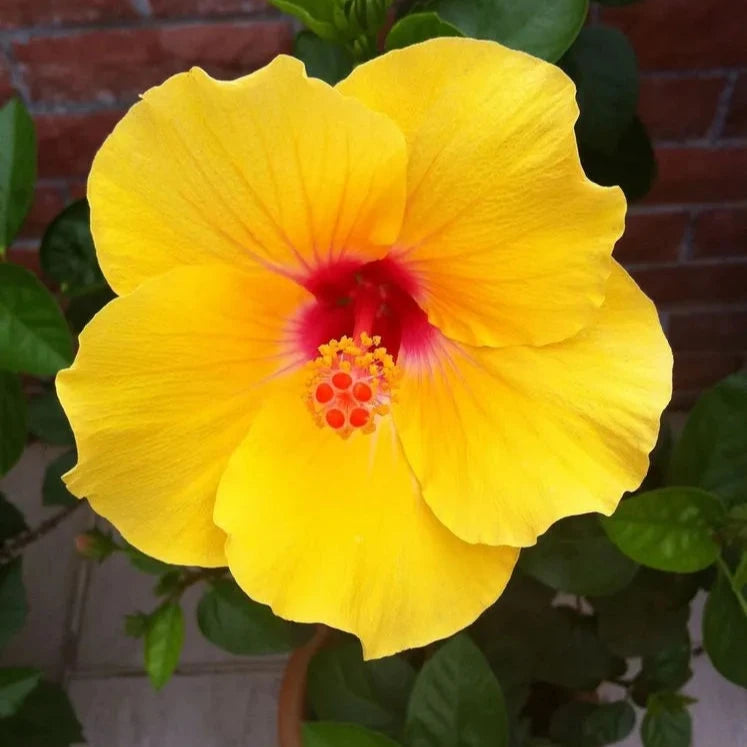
x=364, y=319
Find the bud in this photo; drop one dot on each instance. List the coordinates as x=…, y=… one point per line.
x=95, y=544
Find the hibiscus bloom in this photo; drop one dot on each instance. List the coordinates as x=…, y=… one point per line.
x=369, y=339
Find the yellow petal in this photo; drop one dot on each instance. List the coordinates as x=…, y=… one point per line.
x=274, y=168
x=335, y=531
x=163, y=390
x=510, y=241
x=507, y=441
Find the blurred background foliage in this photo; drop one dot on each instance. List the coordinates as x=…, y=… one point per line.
x=598, y=601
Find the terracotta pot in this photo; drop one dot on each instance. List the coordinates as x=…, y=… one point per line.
x=292, y=699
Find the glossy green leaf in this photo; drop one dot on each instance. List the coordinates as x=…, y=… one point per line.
x=725, y=632
x=232, y=621
x=631, y=165
x=711, y=451
x=343, y=687
x=572, y=655
x=17, y=169
x=67, y=253
x=13, y=419
x=647, y=615
x=457, y=700
x=11, y=520
x=45, y=719
x=603, y=66
x=163, y=643
x=47, y=420
x=54, y=492
x=419, y=27
x=329, y=734
x=34, y=337
x=315, y=14
x=576, y=556
x=323, y=59
x=544, y=28
x=671, y=529
x=15, y=684
x=667, y=722
x=13, y=605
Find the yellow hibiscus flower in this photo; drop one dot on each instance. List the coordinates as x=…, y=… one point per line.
x=369, y=339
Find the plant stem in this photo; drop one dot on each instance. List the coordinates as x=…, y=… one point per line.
x=730, y=578
x=192, y=577
x=15, y=545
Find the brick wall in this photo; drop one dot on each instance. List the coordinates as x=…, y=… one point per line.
x=80, y=63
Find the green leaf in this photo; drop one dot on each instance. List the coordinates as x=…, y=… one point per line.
x=711, y=451
x=17, y=169
x=318, y=15
x=670, y=529
x=232, y=621
x=609, y=723
x=665, y=669
x=572, y=654
x=145, y=563
x=603, y=66
x=343, y=687
x=576, y=556
x=13, y=420
x=15, y=684
x=54, y=492
x=659, y=459
x=327, y=734
x=323, y=59
x=11, y=520
x=584, y=724
x=47, y=420
x=457, y=700
x=419, y=27
x=725, y=632
x=45, y=719
x=510, y=634
x=544, y=28
x=631, y=165
x=67, y=253
x=85, y=304
x=667, y=722
x=617, y=2
x=163, y=643
x=647, y=615
x=34, y=337
x=136, y=624
x=13, y=605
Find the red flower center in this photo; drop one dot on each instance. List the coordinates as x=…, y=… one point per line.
x=377, y=298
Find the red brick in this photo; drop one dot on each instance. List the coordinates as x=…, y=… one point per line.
x=700, y=175
x=708, y=330
x=17, y=13
x=119, y=64
x=721, y=233
x=736, y=119
x=696, y=370
x=675, y=108
x=48, y=202
x=682, y=34
x=25, y=255
x=68, y=142
x=651, y=238
x=176, y=8
x=694, y=283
